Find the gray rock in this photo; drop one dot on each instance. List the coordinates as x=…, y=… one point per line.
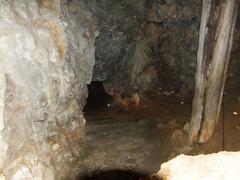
x=144, y=45
x=47, y=57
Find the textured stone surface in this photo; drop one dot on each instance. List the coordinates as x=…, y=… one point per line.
x=234, y=65
x=46, y=63
x=47, y=50
x=171, y=10
x=146, y=45
x=149, y=45
x=222, y=165
x=120, y=142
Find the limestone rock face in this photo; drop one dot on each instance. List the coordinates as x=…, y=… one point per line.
x=46, y=61
x=222, y=166
x=149, y=46
x=171, y=10
x=145, y=45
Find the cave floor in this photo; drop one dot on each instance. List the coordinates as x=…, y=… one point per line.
x=141, y=142
x=120, y=142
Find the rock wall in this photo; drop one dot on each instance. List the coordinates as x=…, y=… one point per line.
x=234, y=65
x=146, y=45
x=149, y=46
x=222, y=166
x=47, y=56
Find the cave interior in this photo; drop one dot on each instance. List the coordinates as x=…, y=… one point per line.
x=104, y=89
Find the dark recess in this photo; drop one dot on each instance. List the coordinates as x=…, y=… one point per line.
x=115, y=174
x=97, y=97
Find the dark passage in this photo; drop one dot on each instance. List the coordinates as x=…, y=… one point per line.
x=97, y=97
x=115, y=175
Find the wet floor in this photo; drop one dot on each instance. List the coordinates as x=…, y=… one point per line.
x=129, y=141
x=141, y=143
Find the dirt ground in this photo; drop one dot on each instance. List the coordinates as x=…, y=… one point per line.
x=141, y=140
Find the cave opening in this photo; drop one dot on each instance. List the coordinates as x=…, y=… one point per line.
x=97, y=97
x=117, y=174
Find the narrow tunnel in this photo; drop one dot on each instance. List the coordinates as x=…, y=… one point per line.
x=97, y=97
x=110, y=90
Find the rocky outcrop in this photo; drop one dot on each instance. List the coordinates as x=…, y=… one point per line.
x=146, y=45
x=166, y=10
x=47, y=56
x=222, y=166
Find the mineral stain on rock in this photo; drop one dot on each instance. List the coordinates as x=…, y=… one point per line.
x=143, y=55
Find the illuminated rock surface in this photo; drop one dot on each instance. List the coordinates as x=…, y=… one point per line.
x=42, y=94
x=221, y=166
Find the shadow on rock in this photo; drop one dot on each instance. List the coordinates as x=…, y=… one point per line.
x=115, y=174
